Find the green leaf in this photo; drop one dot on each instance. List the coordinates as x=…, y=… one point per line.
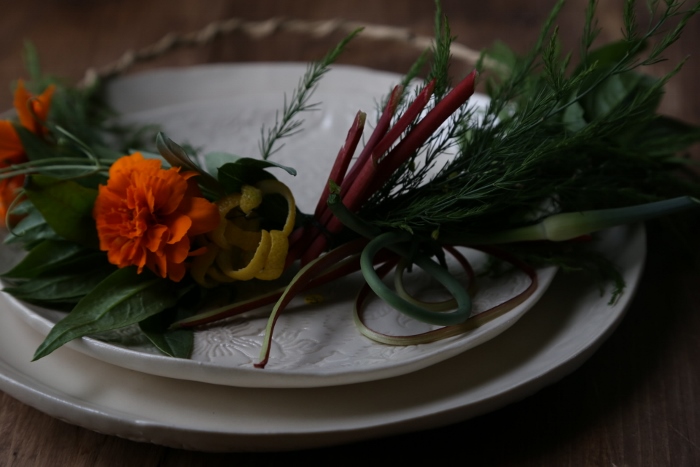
x=35, y=147
x=42, y=257
x=31, y=230
x=49, y=289
x=176, y=156
x=66, y=207
x=573, y=117
x=214, y=160
x=608, y=55
x=666, y=136
x=616, y=90
x=31, y=62
x=123, y=298
x=246, y=171
x=499, y=52
x=176, y=343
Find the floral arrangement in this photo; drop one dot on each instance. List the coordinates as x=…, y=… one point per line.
x=118, y=237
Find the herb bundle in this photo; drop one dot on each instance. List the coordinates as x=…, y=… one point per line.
x=561, y=151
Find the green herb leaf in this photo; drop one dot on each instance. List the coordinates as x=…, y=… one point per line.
x=616, y=90
x=123, y=298
x=176, y=156
x=246, y=171
x=31, y=230
x=35, y=147
x=173, y=342
x=66, y=206
x=608, y=55
x=44, y=256
x=62, y=288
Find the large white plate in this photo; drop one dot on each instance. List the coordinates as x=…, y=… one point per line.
x=551, y=340
x=222, y=108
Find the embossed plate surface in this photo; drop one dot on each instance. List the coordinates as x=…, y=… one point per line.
x=222, y=108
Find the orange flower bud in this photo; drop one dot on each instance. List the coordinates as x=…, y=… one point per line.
x=32, y=112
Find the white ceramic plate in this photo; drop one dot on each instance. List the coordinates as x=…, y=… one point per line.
x=222, y=108
x=551, y=340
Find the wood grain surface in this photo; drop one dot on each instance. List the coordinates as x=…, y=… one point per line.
x=636, y=402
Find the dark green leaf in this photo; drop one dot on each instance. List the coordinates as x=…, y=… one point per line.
x=31, y=230
x=246, y=171
x=31, y=220
x=609, y=54
x=42, y=257
x=60, y=288
x=666, y=136
x=123, y=298
x=66, y=207
x=573, y=117
x=174, y=154
x=616, y=90
x=35, y=147
x=177, y=157
x=175, y=342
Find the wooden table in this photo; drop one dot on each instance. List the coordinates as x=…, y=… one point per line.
x=635, y=402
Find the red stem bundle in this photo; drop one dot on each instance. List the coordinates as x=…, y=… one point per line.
x=367, y=177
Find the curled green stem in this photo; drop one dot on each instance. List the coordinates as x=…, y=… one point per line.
x=409, y=308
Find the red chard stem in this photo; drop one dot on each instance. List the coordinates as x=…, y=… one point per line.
x=342, y=161
x=424, y=129
x=406, y=119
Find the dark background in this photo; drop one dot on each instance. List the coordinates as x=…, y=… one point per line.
x=635, y=402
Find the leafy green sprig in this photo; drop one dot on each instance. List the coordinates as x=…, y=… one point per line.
x=552, y=140
x=288, y=124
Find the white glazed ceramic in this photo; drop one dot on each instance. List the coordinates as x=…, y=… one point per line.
x=558, y=334
x=222, y=108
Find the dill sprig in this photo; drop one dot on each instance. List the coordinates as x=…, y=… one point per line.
x=419, y=166
x=551, y=139
x=288, y=124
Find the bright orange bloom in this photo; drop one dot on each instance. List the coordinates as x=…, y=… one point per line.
x=146, y=216
x=31, y=111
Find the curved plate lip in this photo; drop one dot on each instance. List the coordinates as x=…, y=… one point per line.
x=44, y=393
x=147, y=91
x=192, y=370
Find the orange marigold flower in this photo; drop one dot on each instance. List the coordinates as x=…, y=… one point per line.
x=31, y=111
x=146, y=216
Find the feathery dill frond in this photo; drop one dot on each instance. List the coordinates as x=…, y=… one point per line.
x=550, y=139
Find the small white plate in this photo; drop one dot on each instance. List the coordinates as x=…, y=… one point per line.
x=222, y=108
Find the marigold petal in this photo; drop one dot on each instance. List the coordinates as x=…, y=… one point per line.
x=178, y=226
x=168, y=189
x=32, y=110
x=204, y=214
x=158, y=263
x=178, y=252
x=156, y=237
x=11, y=150
x=176, y=271
x=9, y=189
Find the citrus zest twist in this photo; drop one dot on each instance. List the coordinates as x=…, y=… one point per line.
x=238, y=249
